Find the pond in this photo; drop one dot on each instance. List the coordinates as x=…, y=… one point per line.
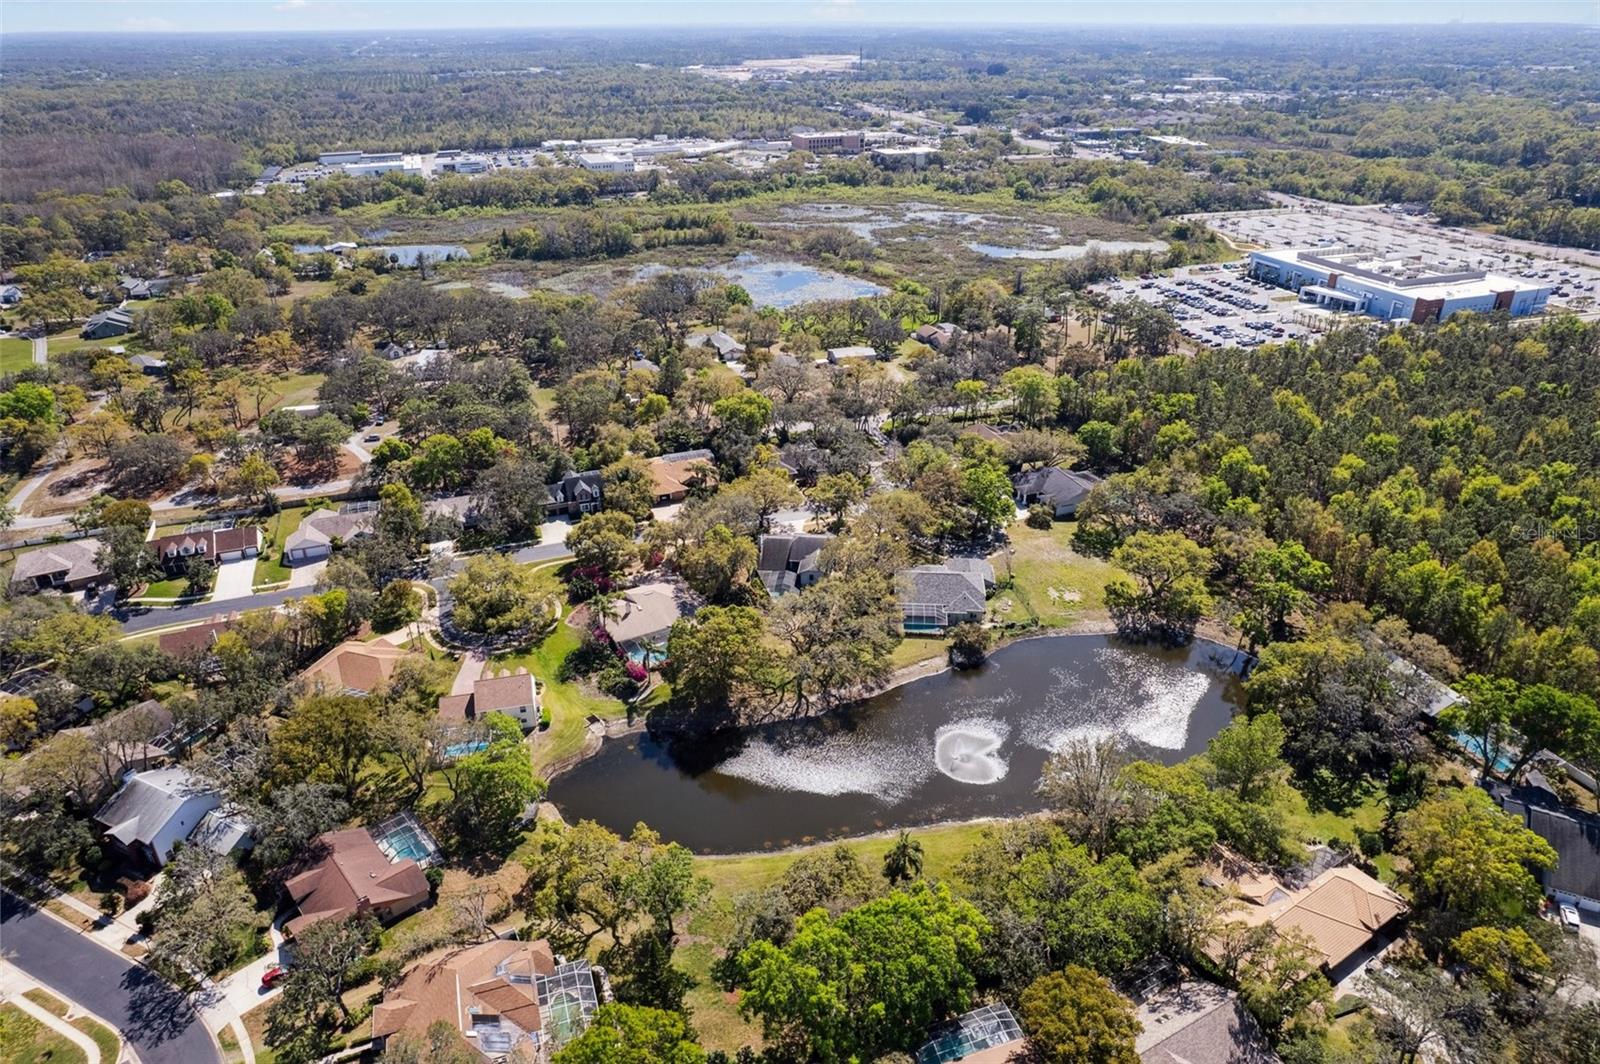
x=955, y=746
x=1067, y=251
x=773, y=283
x=407, y=254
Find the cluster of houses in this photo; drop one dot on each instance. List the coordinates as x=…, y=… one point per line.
x=72, y=566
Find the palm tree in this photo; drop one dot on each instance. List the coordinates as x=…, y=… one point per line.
x=903, y=862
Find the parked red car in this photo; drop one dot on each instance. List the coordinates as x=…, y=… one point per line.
x=271, y=976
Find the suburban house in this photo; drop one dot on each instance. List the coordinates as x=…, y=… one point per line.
x=506, y=997
x=856, y=353
x=1198, y=1021
x=68, y=566
x=1060, y=489
x=934, y=597
x=354, y=667
x=671, y=475
x=726, y=347
x=1340, y=912
x=145, y=288
x=313, y=540
x=937, y=336
x=10, y=295
x=988, y=1035
x=106, y=324
x=574, y=494
x=788, y=562
x=153, y=810
x=516, y=694
x=645, y=614
x=350, y=874
x=135, y=739
x=177, y=550
x=1572, y=833
x=149, y=365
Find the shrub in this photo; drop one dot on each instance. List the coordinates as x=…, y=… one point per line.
x=969, y=645
x=435, y=878
x=1041, y=517
x=137, y=890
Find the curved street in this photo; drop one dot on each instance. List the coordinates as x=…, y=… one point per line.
x=157, y=1021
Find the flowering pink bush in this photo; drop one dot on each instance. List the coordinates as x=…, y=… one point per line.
x=636, y=672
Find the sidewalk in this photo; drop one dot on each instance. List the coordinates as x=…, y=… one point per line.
x=14, y=982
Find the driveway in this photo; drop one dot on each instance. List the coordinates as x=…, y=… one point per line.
x=554, y=532
x=235, y=580
x=158, y=1021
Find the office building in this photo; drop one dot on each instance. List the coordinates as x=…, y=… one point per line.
x=1359, y=281
x=826, y=142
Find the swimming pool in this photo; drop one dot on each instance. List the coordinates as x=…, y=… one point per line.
x=402, y=836
x=455, y=750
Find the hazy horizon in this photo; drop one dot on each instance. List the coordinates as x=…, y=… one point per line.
x=182, y=17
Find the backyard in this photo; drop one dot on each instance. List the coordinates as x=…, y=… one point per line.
x=16, y=354
x=1050, y=582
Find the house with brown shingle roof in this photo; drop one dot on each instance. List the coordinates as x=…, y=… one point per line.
x=503, y=996
x=516, y=694
x=354, y=667
x=177, y=550
x=352, y=875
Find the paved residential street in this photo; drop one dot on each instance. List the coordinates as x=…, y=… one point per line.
x=156, y=1020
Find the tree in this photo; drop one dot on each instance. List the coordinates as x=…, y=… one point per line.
x=1503, y=958
x=1280, y=980
x=146, y=463
x=285, y=824
x=496, y=596
x=1164, y=594
x=719, y=566
x=200, y=576
x=1033, y=392
x=202, y=911
x=840, y=636
x=489, y=789
x=19, y=721
x=1082, y=784
x=603, y=543
x=253, y=478
x=629, y=1034
x=1074, y=1016
x=834, y=494
x=970, y=644
x=903, y=862
x=1278, y=583
x=867, y=982
x=1470, y=861
x=126, y=558
x=1245, y=756
x=715, y=654
x=327, y=738
x=311, y=1008
x=986, y=495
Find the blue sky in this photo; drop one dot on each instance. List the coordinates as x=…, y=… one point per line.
x=158, y=16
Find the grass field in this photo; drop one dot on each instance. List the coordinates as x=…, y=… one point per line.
x=15, y=354
x=63, y=342
x=915, y=649
x=569, y=703
x=1053, y=583
x=24, y=1040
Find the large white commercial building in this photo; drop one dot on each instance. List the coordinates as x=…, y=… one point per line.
x=1412, y=289
x=604, y=163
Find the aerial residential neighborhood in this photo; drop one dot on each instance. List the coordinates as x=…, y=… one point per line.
x=825, y=534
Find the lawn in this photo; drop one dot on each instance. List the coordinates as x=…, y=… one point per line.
x=295, y=389
x=569, y=703
x=15, y=354
x=177, y=587
x=716, y=1014
x=63, y=342
x=24, y=1040
x=917, y=648
x=104, y=1037
x=274, y=530
x=1052, y=583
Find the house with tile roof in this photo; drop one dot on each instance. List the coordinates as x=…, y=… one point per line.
x=349, y=874
x=354, y=667
x=1339, y=913
x=505, y=997
x=672, y=475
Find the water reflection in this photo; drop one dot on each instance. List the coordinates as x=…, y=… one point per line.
x=953, y=746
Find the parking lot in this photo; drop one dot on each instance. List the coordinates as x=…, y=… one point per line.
x=1220, y=307
x=1298, y=222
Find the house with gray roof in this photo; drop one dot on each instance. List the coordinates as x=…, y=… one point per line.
x=574, y=494
x=68, y=566
x=106, y=324
x=788, y=562
x=1060, y=489
x=1199, y=1021
x=934, y=597
x=1572, y=833
x=724, y=345
x=152, y=811
x=317, y=534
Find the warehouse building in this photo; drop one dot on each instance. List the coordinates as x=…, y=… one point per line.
x=1359, y=281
